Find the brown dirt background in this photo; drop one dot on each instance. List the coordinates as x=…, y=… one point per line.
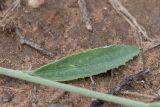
x=59, y=27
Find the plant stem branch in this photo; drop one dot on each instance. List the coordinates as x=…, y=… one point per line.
x=25, y=76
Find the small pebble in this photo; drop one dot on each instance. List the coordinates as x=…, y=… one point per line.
x=35, y=3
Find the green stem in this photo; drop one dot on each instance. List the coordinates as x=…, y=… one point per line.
x=24, y=76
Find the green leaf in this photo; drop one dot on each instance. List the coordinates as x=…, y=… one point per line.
x=88, y=63
x=155, y=104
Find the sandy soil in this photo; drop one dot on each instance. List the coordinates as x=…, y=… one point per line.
x=58, y=26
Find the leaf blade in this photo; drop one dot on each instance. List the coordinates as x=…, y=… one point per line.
x=88, y=63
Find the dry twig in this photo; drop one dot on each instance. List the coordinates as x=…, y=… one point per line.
x=120, y=86
x=25, y=41
x=85, y=14
x=153, y=44
x=127, y=81
x=150, y=97
x=93, y=84
x=129, y=18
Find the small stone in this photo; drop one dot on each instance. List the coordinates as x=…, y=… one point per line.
x=35, y=3
x=89, y=27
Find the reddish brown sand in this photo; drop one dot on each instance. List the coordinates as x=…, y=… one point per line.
x=59, y=27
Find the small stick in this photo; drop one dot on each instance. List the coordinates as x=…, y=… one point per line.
x=141, y=54
x=129, y=18
x=93, y=83
x=25, y=41
x=127, y=81
x=85, y=14
x=154, y=44
x=151, y=97
x=120, y=86
x=93, y=86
